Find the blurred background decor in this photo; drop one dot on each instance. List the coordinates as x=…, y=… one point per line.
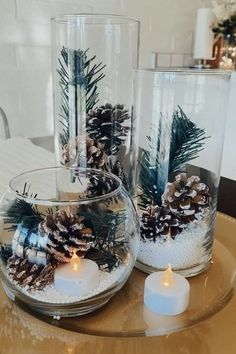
x=224, y=28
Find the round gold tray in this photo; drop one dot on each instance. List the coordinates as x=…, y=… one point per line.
x=126, y=315
x=201, y=329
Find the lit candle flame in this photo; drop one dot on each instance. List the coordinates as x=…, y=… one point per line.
x=168, y=277
x=75, y=261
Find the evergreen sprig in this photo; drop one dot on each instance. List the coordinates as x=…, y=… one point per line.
x=148, y=178
x=5, y=252
x=107, y=228
x=19, y=211
x=78, y=70
x=109, y=236
x=187, y=140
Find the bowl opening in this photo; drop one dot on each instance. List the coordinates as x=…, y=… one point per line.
x=57, y=185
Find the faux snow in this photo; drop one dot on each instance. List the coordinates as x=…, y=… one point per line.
x=186, y=250
x=50, y=295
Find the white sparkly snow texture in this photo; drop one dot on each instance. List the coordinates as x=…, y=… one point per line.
x=185, y=251
x=51, y=295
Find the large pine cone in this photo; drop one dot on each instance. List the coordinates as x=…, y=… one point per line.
x=100, y=185
x=95, y=154
x=118, y=170
x=30, y=275
x=159, y=222
x=187, y=197
x=105, y=124
x=67, y=234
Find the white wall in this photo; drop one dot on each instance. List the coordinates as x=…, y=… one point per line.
x=25, y=53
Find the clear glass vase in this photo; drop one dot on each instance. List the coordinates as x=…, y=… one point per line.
x=93, y=60
x=182, y=118
x=68, y=241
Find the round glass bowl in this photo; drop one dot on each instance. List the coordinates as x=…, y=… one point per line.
x=69, y=239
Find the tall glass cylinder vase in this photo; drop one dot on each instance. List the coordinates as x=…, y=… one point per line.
x=182, y=118
x=93, y=60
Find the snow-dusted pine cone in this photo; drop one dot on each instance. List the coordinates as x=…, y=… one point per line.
x=118, y=170
x=187, y=197
x=159, y=222
x=105, y=124
x=67, y=234
x=30, y=275
x=100, y=185
x=95, y=154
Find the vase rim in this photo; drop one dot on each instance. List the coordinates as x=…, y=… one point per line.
x=115, y=18
x=186, y=71
x=81, y=200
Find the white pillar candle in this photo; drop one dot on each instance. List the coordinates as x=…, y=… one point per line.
x=166, y=293
x=204, y=37
x=76, y=278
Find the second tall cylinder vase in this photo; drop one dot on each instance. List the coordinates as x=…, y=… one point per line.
x=182, y=119
x=93, y=60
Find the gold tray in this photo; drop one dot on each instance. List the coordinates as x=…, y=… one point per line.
x=203, y=328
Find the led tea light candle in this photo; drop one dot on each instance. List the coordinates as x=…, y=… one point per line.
x=166, y=293
x=77, y=278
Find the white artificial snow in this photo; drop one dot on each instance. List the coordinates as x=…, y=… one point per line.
x=186, y=250
x=50, y=295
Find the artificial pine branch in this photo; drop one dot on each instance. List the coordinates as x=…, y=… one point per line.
x=19, y=211
x=148, y=177
x=153, y=167
x=5, y=252
x=187, y=140
x=85, y=74
x=106, y=228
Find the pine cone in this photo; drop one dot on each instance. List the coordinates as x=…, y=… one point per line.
x=118, y=170
x=30, y=275
x=105, y=124
x=67, y=234
x=100, y=185
x=187, y=197
x=94, y=153
x=159, y=222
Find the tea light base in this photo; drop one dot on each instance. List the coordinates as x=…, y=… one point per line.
x=166, y=299
x=77, y=283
